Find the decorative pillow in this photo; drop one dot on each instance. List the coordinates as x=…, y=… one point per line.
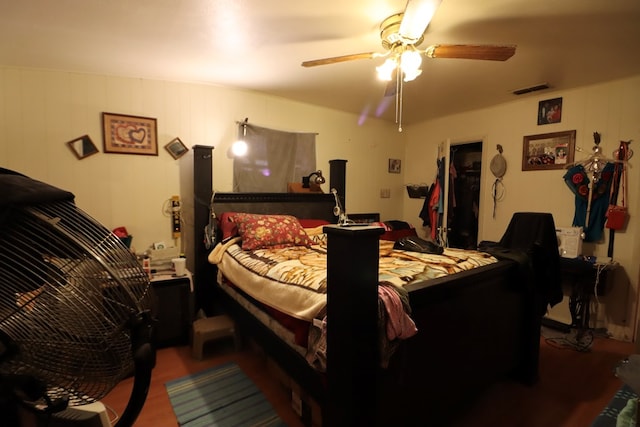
x=312, y=223
x=270, y=231
x=228, y=227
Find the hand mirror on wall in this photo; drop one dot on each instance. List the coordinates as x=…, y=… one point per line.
x=82, y=147
x=498, y=164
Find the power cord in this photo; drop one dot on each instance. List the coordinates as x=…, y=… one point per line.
x=575, y=339
x=497, y=192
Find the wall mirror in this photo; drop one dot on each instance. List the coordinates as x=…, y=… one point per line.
x=82, y=147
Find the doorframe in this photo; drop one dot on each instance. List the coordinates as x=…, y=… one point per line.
x=444, y=150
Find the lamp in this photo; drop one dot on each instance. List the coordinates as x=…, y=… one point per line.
x=313, y=178
x=239, y=148
x=340, y=212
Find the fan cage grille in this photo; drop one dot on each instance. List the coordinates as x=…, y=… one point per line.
x=69, y=289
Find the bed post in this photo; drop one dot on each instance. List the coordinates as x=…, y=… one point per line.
x=202, y=190
x=352, y=331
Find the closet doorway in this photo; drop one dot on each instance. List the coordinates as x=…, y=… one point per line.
x=465, y=165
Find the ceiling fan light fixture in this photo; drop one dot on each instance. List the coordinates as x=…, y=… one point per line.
x=417, y=16
x=411, y=75
x=385, y=71
x=410, y=61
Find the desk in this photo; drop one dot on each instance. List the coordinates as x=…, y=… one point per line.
x=586, y=279
x=173, y=307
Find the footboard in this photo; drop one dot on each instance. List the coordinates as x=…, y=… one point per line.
x=474, y=328
x=473, y=332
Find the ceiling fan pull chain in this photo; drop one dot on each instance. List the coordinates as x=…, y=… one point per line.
x=399, y=87
x=400, y=106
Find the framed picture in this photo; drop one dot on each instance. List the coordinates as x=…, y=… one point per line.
x=548, y=150
x=82, y=147
x=394, y=165
x=176, y=148
x=129, y=134
x=550, y=111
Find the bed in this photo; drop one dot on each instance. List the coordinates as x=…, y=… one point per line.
x=475, y=327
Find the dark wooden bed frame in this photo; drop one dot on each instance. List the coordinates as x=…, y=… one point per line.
x=474, y=328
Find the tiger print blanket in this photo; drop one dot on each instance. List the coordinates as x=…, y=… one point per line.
x=293, y=280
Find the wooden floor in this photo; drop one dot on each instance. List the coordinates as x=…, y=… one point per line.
x=573, y=388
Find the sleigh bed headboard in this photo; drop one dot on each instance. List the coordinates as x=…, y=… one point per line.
x=300, y=205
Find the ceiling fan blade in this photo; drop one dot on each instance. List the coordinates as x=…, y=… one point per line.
x=343, y=58
x=416, y=17
x=470, y=51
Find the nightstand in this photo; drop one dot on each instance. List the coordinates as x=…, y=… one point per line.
x=173, y=303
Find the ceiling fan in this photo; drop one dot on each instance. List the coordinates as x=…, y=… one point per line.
x=401, y=34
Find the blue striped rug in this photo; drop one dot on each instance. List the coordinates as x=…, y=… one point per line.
x=220, y=396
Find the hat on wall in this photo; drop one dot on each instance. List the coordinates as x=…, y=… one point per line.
x=498, y=164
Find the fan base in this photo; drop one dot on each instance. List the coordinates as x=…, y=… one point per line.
x=91, y=415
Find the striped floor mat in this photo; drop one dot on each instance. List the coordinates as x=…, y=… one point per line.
x=220, y=396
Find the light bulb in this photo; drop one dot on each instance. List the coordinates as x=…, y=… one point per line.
x=239, y=148
x=410, y=61
x=411, y=75
x=385, y=71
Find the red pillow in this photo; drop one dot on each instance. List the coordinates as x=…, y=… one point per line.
x=312, y=223
x=394, y=235
x=228, y=227
x=270, y=231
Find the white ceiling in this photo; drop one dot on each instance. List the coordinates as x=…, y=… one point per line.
x=259, y=45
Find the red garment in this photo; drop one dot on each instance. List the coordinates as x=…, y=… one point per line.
x=433, y=209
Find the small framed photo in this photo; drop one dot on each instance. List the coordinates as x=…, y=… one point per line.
x=82, y=147
x=394, y=165
x=125, y=134
x=550, y=111
x=176, y=148
x=548, y=150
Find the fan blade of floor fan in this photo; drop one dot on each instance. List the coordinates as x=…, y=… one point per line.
x=343, y=58
x=469, y=51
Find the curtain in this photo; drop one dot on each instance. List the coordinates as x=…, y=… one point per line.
x=274, y=158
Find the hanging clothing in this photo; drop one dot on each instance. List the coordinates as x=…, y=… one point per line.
x=578, y=181
x=434, y=202
x=425, y=213
x=433, y=206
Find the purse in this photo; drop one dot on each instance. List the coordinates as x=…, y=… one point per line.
x=617, y=215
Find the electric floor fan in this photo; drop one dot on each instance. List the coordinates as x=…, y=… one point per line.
x=75, y=307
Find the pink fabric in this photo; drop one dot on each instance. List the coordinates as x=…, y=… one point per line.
x=399, y=324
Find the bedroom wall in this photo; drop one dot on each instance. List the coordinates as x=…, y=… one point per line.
x=41, y=110
x=613, y=109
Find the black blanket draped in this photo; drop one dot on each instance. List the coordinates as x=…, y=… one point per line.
x=531, y=239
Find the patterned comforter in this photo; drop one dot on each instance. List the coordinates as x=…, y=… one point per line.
x=293, y=280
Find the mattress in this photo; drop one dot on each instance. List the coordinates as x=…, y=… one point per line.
x=285, y=289
x=292, y=280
